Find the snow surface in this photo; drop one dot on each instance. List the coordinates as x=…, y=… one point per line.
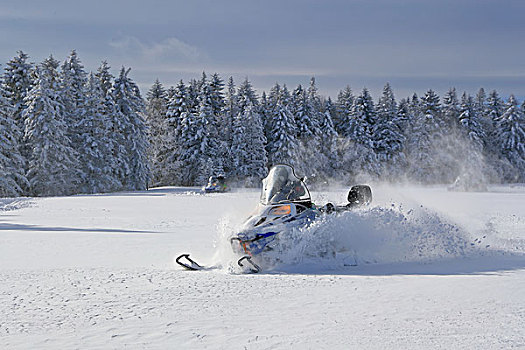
x=436, y=269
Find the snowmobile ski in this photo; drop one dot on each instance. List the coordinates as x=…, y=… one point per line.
x=185, y=261
x=253, y=267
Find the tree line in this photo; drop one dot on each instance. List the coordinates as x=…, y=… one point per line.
x=65, y=131
x=206, y=126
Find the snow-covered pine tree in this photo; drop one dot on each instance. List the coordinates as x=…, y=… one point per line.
x=264, y=111
x=282, y=145
x=497, y=164
x=200, y=85
x=403, y=113
x=420, y=143
x=73, y=84
x=230, y=112
x=105, y=78
x=198, y=140
x=53, y=161
x=95, y=143
x=156, y=120
x=115, y=139
x=404, y=118
x=494, y=108
x=363, y=116
x=179, y=119
x=16, y=82
x=431, y=107
x=468, y=148
x=523, y=107
x=480, y=107
x=358, y=155
x=315, y=106
x=510, y=133
x=413, y=111
x=318, y=161
x=480, y=101
x=314, y=101
x=345, y=101
x=248, y=141
x=414, y=105
x=450, y=140
x=239, y=136
x=307, y=128
x=469, y=121
x=450, y=110
x=246, y=95
x=170, y=93
x=298, y=109
x=388, y=138
x=257, y=158
x=217, y=96
x=193, y=90
x=386, y=107
x=199, y=155
x=409, y=109
x=329, y=141
x=217, y=124
x=11, y=162
x=132, y=154
x=80, y=121
x=442, y=143
x=186, y=149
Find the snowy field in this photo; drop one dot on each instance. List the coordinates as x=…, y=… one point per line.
x=436, y=269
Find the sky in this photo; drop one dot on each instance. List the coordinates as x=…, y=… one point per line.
x=414, y=45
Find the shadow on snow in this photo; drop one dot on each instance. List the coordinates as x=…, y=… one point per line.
x=496, y=263
x=20, y=227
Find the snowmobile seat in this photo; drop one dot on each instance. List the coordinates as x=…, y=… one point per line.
x=359, y=195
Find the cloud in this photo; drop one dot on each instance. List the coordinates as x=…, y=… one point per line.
x=170, y=49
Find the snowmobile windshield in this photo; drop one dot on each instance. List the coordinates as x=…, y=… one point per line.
x=282, y=185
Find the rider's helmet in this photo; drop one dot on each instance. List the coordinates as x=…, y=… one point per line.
x=281, y=176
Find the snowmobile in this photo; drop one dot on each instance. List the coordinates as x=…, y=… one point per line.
x=216, y=184
x=285, y=204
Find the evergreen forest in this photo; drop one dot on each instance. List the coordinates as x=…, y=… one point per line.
x=65, y=131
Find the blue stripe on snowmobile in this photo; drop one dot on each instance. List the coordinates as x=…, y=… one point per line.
x=264, y=235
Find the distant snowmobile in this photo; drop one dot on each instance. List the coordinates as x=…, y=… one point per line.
x=216, y=184
x=285, y=205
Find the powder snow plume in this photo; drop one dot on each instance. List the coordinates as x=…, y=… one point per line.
x=378, y=235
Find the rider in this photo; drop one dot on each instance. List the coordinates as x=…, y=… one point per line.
x=290, y=188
